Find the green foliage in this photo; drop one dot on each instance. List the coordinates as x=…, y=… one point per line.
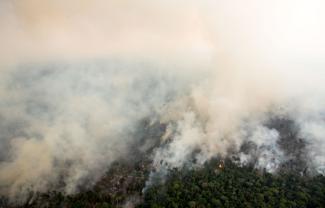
x=208, y=187
x=236, y=187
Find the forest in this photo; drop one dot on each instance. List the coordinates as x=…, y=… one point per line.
x=219, y=183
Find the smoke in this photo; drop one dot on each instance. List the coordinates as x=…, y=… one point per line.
x=78, y=79
x=68, y=123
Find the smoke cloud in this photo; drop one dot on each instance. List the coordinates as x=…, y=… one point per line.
x=226, y=78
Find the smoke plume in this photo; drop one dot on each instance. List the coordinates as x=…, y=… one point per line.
x=224, y=78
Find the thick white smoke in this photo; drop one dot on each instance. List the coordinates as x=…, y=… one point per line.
x=67, y=123
x=78, y=77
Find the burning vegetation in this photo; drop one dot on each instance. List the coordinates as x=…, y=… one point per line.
x=220, y=182
x=123, y=103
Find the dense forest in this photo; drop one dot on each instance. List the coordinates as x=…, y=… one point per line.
x=218, y=184
x=227, y=185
